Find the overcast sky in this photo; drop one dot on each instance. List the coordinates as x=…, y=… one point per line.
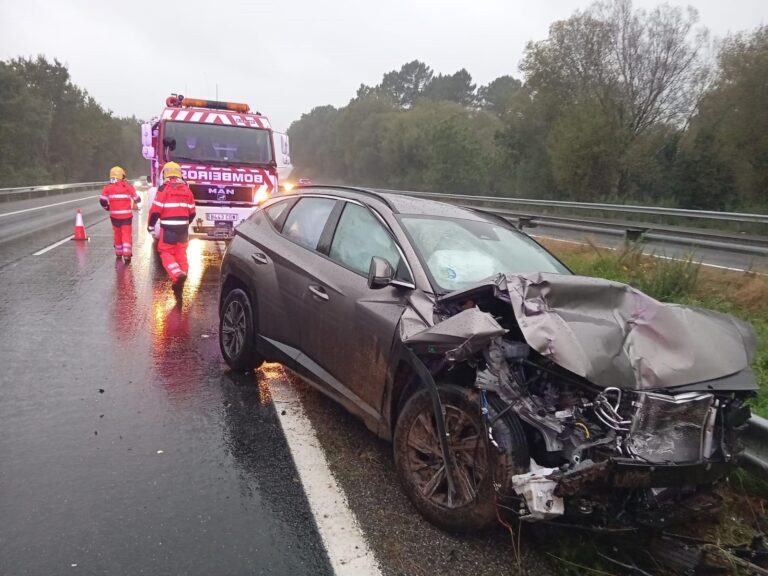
x=287, y=56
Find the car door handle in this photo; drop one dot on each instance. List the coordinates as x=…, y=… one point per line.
x=259, y=258
x=318, y=291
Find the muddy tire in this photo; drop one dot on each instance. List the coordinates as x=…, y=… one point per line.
x=419, y=460
x=236, y=332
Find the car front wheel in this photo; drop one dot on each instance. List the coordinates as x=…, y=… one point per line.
x=236, y=332
x=420, y=465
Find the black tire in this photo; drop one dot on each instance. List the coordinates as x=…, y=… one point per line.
x=479, y=464
x=236, y=332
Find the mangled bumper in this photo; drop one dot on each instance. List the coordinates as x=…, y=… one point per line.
x=626, y=473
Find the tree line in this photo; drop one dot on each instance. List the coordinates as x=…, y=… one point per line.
x=616, y=104
x=51, y=131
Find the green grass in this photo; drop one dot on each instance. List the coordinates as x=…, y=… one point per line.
x=685, y=282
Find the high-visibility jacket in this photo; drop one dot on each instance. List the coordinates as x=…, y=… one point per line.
x=174, y=207
x=117, y=199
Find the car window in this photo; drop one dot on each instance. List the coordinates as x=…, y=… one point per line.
x=307, y=219
x=275, y=211
x=359, y=237
x=459, y=253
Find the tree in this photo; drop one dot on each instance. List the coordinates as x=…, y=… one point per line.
x=636, y=69
x=456, y=87
x=582, y=145
x=407, y=84
x=646, y=68
x=732, y=119
x=704, y=179
x=313, y=144
x=51, y=130
x=496, y=95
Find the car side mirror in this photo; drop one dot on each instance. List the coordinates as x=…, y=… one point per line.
x=380, y=273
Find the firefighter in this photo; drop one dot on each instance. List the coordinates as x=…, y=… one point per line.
x=117, y=198
x=174, y=206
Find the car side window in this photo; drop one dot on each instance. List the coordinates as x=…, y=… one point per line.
x=275, y=211
x=359, y=237
x=307, y=219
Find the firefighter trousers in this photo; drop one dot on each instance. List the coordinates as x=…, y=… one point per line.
x=174, y=258
x=123, y=235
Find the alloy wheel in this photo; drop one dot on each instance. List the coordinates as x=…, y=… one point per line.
x=233, y=329
x=425, y=461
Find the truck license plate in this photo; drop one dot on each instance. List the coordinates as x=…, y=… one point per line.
x=221, y=217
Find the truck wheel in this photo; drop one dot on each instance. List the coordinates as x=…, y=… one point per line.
x=420, y=466
x=236, y=332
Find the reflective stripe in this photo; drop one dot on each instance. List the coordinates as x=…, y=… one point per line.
x=176, y=205
x=121, y=196
x=156, y=203
x=173, y=266
x=121, y=211
x=174, y=222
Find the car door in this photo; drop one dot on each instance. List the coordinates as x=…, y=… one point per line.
x=348, y=327
x=281, y=253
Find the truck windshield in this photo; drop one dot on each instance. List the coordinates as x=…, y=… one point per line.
x=217, y=144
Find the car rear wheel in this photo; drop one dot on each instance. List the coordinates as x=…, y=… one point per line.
x=421, y=468
x=236, y=332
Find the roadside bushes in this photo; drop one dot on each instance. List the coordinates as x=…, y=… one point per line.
x=663, y=278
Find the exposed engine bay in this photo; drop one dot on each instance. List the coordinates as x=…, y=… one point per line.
x=626, y=402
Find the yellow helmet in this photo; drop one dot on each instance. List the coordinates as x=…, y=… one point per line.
x=171, y=170
x=117, y=172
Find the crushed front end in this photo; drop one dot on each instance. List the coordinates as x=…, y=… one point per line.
x=626, y=411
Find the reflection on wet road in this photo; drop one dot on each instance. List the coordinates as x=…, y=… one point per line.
x=125, y=445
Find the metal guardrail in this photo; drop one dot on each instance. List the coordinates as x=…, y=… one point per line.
x=755, y=455
x=628, y=208
x=632, y=230
x=26, y=192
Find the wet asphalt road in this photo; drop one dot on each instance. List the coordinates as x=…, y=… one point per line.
x=126, y=447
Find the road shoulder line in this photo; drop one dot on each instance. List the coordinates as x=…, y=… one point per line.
x=347, y=549
x=54, y=245
x=47, y=206
x=651, y=254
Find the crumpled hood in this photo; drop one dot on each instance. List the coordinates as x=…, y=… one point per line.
x=614, y=335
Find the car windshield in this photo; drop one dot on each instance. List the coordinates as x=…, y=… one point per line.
x=459, y=253
x=217, y=144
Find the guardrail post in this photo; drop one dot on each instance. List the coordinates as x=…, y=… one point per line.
x=634, y=234
x=755, y=438
x=526, y=222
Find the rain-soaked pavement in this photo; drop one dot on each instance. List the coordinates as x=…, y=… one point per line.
x=126, y=447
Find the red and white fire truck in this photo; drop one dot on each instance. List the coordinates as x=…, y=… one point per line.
x=230, y=158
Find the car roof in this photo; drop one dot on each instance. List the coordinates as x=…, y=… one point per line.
x=398, y=203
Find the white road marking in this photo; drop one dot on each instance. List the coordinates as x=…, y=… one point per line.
x=343, y=539
x=732, y=269
x=48, y=206
x=52, y=246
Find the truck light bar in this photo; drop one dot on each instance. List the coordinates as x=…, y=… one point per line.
x=174, y=101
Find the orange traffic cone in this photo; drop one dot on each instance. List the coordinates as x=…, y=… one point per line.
x=79, y=227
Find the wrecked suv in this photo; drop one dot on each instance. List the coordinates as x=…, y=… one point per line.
x=505, y=382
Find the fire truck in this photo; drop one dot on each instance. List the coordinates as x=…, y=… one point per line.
x=229, y=156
